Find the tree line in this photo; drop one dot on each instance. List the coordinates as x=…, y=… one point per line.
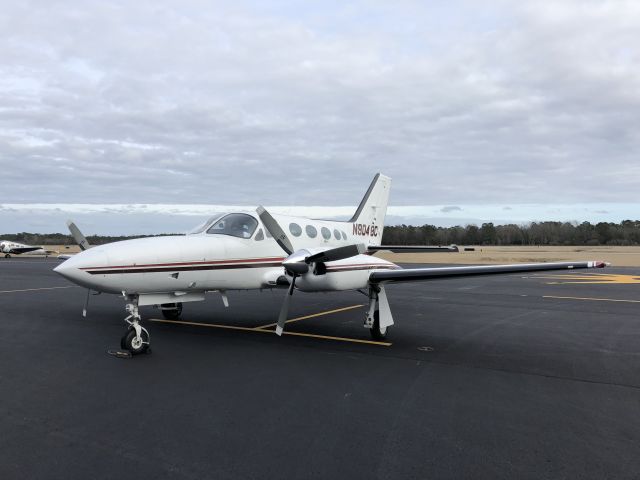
x=626, y=232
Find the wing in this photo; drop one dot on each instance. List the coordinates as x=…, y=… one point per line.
x=435, y=273
x=412, y=249
x=19, y=250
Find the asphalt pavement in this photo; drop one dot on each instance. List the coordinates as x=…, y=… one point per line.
x=511, y=376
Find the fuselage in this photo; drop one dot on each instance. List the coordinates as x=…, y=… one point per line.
x=229, y=252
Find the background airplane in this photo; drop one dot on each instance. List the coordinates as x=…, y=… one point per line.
x=250, y=250
x=13, y=248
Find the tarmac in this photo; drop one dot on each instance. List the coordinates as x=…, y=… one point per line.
x=508, y=376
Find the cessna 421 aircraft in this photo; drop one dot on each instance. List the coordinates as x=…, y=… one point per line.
x=12, y=248
x=250, y=250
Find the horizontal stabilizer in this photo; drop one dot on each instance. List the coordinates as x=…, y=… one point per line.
x=337, y=253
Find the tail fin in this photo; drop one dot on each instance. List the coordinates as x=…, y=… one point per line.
x=368, y=221
x=78, y=236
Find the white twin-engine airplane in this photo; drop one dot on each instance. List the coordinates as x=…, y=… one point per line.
x=257, y=250
x=12, y=248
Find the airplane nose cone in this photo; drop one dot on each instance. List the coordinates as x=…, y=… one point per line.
x=67, y=270
x=73, y=268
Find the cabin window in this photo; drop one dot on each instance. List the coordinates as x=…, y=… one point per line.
x=336, y=234
x=295, y=229
x=238, y=225
x=344, y=236
x=326, y=233
x=259, y=236
x=311, y=231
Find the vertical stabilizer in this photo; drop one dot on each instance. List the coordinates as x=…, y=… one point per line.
x=368, y=221
x=77, y=235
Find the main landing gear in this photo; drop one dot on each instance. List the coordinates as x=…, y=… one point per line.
x=136, y=339
x=378, y=332
x=378, y=326
x=171, y=311
x=6, y=255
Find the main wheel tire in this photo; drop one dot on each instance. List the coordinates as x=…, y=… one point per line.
x=172, y=313
x=378, y=333
x=6, y=255
x=131, y=343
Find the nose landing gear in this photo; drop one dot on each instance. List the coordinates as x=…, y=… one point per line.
x=136, y=340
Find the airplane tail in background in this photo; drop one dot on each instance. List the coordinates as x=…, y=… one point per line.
x=77, y=235
x=368, y=221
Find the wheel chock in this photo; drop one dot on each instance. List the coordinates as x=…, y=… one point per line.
x=119, y=353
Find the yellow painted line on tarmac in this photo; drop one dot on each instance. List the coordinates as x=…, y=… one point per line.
x=210, y=325
x=592, y=299
x=263, y=330
x=36, y=289
x=589, y=278
x=313, y=315
x=340, y=339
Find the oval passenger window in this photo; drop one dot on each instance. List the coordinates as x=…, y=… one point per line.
x=311, y=231
x=295, y=229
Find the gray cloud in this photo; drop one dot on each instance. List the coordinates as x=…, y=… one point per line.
x=449, y=208
x=245, y=103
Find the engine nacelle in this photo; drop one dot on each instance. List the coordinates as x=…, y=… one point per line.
x=348, y=274
x=333, y=280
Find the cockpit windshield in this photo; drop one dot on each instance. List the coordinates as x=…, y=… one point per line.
x=238, y=225
x=204, y=225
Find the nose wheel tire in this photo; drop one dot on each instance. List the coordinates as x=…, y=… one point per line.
x=378, y=333
x=135, y=345
x=171, y=311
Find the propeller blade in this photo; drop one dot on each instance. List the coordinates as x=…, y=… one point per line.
x=274, y=229
x=337, y=253
x=77, y=235
x=284, y=310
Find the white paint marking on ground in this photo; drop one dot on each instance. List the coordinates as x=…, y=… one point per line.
x=36, y=289
x=592, y=299
x=31, y=261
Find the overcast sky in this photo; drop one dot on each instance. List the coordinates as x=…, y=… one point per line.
x=300, y=103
